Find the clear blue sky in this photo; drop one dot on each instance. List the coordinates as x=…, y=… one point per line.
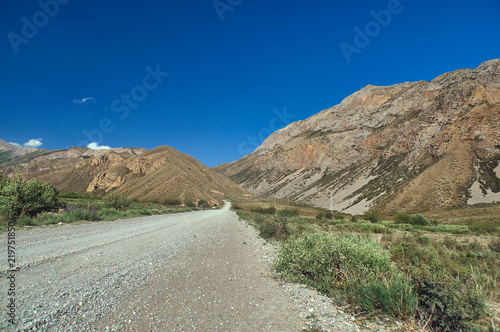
x=225, y=76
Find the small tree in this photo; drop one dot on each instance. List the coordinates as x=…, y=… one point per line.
x=20, y=198
x=402, y=218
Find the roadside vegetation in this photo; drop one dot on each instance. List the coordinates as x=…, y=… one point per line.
x=33, y=203
x=438, y=271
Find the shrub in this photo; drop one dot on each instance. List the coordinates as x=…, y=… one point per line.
x=267, y=229
x=109, y=214
x=282, y=231
x=419, y=219
x=372, y=215
x=323, y=214
x=288, y=213
x=449, y=307
x=27, y=199
x=443, y=281
x=393, y=295
x=402, y=218
x=117, y=202
x=481, y=226
x=354, y=219
x=75, y=213
x=357, y=266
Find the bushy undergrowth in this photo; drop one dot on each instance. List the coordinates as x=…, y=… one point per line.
x=288, y=213
x=419, y=219
x=324, y=214
x=21, y=199
x=117, y=201
x=74, y=213
x=440, y=284
x=354, y=265
x=478, y=226
x=373, y=216
x=402, y=218
x=452, y=280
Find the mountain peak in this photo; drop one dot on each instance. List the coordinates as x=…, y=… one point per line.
x=410, y=146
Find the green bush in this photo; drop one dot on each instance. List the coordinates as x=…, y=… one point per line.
x=402, y=218
x=419, y=219
x=117, y=202
x=449, y=307
x=372, y=215
x=393, y=295
x=324, y=214
x=267, y=229
x=26, y=199
x=76, y=213
x=109, y=214
x=481, y=226
x=288, y=213
x=355, y=265
x=450, y=296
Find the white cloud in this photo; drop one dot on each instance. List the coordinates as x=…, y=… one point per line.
x=14, y=143
x=33, y=143
x=84, y=100
x=95, y=146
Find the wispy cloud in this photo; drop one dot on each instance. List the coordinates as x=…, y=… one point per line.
x=84, y=100
x=33, y=143
x=95, y=146
x=14, y=143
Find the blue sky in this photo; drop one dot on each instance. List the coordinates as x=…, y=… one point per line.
x=214, y=78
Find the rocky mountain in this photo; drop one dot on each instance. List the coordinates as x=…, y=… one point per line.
x=10, y=151
x=413, y=146
x=159, y=174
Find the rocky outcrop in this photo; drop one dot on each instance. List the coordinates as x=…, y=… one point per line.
x=412, y=146
x=159, y=174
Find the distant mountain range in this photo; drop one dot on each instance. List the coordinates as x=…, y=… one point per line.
x=160, y=174
x=9, y=151
x=414, y=146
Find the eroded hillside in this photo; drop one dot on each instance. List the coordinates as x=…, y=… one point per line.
x=410, y=146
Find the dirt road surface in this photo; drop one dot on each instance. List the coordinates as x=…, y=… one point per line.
x=198, y=271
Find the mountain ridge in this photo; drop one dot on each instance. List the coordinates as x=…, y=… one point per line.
x=159, y=174
x=411, y=146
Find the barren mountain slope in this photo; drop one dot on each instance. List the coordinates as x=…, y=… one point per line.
x=157, y=174
x=409, y=146
x=10, y=151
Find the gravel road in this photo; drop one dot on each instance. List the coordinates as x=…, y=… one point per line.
x=197, y=271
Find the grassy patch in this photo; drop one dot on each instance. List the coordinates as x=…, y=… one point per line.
x=436, y=274
x=356, y=266
x=83, y=208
